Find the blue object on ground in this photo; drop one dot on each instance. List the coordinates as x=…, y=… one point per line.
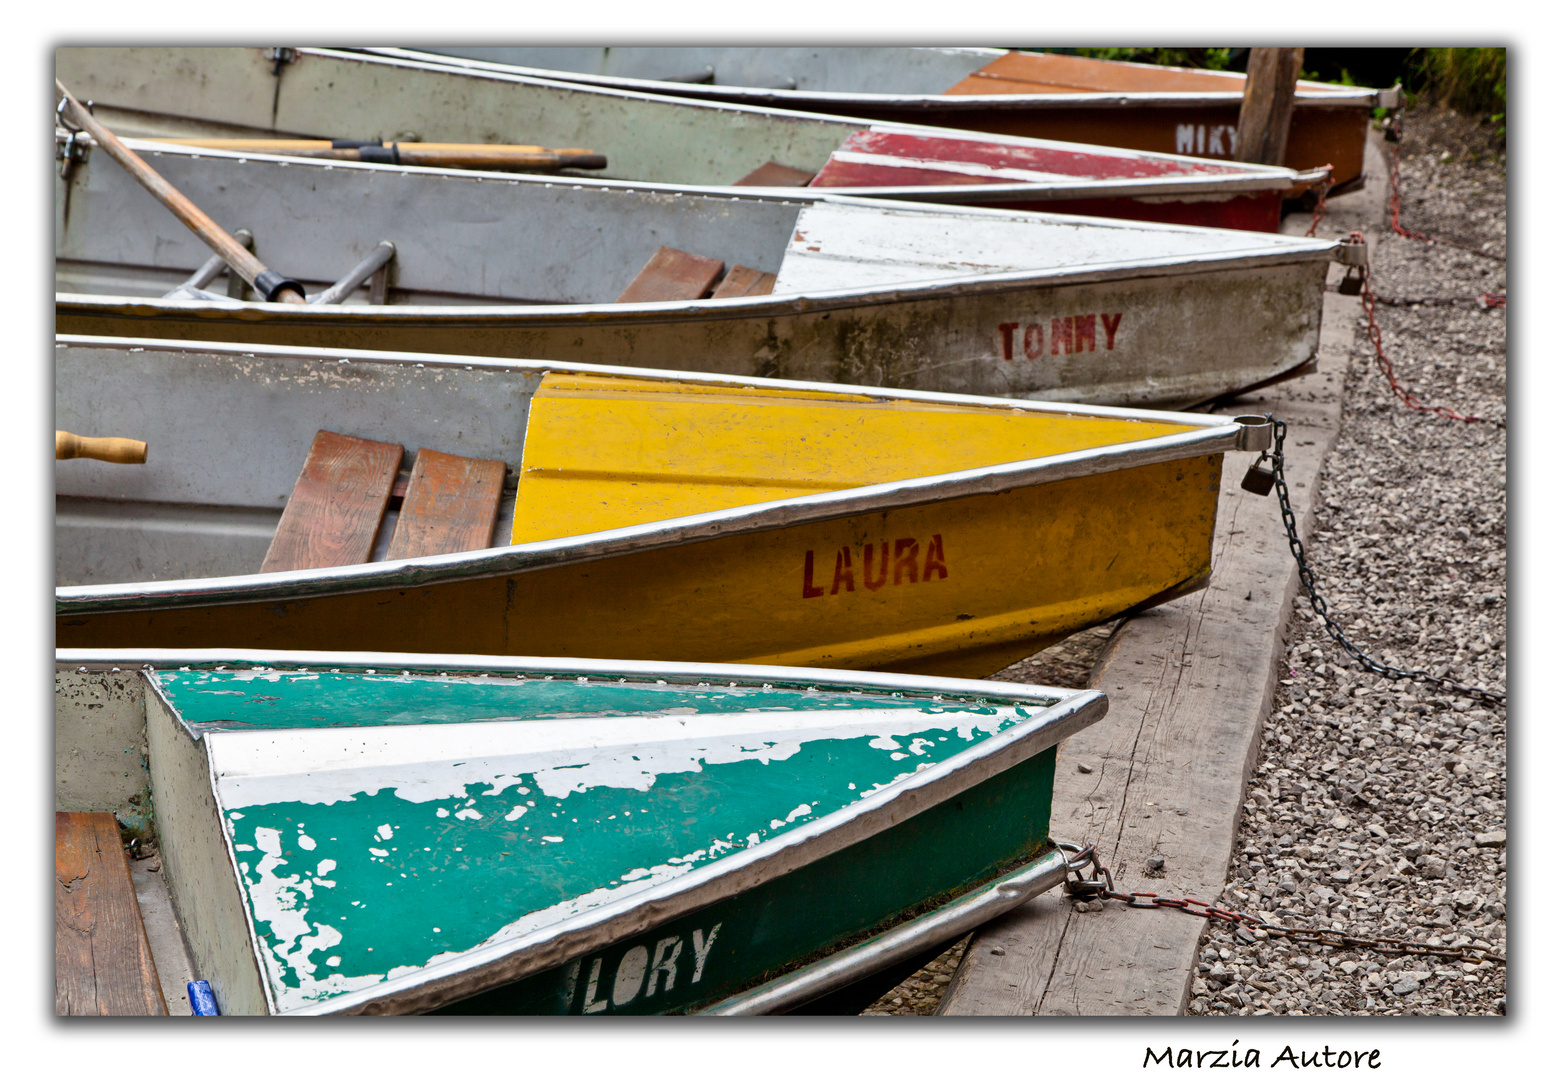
x=202, y=1002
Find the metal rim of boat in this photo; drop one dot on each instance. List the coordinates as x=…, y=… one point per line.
x=1218, y=434
x=444, y=663
x=1362, y=97
x=1254, y=178
x=546, y=948
x=856, y=962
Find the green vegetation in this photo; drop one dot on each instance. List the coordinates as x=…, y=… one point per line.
x=1473, y=81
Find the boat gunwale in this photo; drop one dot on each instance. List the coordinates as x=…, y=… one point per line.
x=420, y=663
x=1212, y=435
x=484, y=967
x=1252, y=178
x=1308, y=93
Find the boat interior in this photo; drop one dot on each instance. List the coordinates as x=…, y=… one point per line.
x=468, y=238
x=270, y=459
x=212, y=92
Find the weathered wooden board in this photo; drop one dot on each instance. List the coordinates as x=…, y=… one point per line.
x=1190, y=684
x=102, y=962
x=671, y=274
x=744, y=281
x=336, y=506
x=451, y=505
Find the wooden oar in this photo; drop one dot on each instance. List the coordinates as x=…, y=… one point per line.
x=446, y=155
x=268, y=283
x=118, y=451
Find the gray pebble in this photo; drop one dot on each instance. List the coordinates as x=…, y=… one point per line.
x=1379, y=807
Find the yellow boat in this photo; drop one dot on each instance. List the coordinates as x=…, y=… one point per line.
x=637, y=515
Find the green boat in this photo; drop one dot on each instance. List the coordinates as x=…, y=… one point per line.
x=396, y=833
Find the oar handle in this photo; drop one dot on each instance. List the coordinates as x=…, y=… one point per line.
x=118, y=451
x=440, y=155
x=268, y=283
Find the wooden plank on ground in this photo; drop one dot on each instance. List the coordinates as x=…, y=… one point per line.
x=744, y=281
x=1191, y=684
x=336, y=506
x=451, y=505
x=775, y=174
x=671, y=274
x=102, y=962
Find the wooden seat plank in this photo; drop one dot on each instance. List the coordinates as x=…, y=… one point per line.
x=451, y=505
x=671, y=274
x=744, y=281
x=102, y=960
x=337, y=504
x=775, y=174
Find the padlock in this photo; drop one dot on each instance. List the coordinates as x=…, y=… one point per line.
x=1260, y=479
x=1350, y=284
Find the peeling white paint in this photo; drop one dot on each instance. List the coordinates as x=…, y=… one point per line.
x=564, y=756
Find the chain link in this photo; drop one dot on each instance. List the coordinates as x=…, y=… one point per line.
x=1099, y=884
x=1319, y=605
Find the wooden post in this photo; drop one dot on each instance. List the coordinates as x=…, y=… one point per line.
x=1267, y=97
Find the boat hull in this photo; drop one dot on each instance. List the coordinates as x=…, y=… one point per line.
x=941, y=853
x=1173, y=338
x=964, y=587
x=1320, y=135
x=265, y=809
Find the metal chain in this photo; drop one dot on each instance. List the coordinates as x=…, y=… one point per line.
x=1310, y=584
x=1369, y=304
x=1099, y=884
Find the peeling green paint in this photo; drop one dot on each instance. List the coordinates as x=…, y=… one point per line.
x=383, y=823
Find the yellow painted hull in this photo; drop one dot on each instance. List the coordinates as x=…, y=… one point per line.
x=960, y=587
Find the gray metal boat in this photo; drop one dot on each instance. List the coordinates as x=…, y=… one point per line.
x=876, y=292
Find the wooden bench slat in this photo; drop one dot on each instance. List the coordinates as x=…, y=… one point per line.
x=337, y=504
x=671, y=274
x=102, y=960
x=744, y=281
x=775, y=174
x=451, y=505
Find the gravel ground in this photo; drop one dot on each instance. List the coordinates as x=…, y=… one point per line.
x=1380, y=808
